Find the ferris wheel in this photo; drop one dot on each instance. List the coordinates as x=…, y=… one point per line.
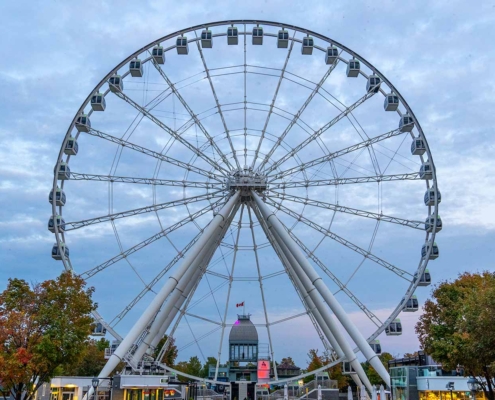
x=247, y=161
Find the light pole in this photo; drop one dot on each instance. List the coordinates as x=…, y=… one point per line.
x=94, y=383
x=450, y=386
x=473, y=386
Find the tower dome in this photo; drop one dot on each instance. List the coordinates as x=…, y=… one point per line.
x=243, y=331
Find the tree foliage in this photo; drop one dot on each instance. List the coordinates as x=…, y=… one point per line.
x=171, y=352
x=288, y=361
x=92, y=360
x=191, y=367
x=206, y=366
x=458, y=327
x=316, y=361
x=41, y=328
x=373, y=376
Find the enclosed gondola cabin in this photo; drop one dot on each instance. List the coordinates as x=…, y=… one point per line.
x=182, y=45
x=411, y=305
x=110, y=350
x=391, y=102
x=376, y=346
x=434, y=253
x=307, y=45
x=394, y=329
x=136, y=68
x=418, y=147
x=71, y=147
x=98, y=329
x=59, y=252
x=98, y=102
x=425, y=171
x=347, y=368
x=331, y=54
x=158, y=54
x=425, y=278
x=63, y=171
x=116, y=84
x=373, y=84
x=430, y=197
x=59, y=197
x=232, y=35
x=406, y=123
x=83, y=124
x=283, y=39
x=206, y=39
x=257, y=35
x=59, y=221
x=353, y=68
x=430, y=224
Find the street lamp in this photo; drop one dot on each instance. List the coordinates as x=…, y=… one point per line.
x=94, y=383
x=450, y=386
x=473, y=386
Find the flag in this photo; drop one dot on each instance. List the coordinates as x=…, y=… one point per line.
x=240, y=304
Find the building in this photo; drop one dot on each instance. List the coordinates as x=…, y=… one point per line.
x=421, y=378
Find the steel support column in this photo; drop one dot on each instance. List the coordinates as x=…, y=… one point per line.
x=169, y=286
x=320, y=311
x=308, y=270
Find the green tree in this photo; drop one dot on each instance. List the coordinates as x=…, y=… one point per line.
x=92, y=361
x=315, y=361
x=170, y=354
x=194, y=366
x=206, y=366
x=458, y=328
x=288, y=361
x=373, y=376
x=42, y=328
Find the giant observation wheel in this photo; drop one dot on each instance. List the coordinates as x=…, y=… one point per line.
x=254, y=161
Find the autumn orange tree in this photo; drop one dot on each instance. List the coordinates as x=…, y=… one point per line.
x=458, y=327
x=42, y=327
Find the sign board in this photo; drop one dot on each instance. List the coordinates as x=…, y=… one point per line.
x=263, y=370
x=164, y=380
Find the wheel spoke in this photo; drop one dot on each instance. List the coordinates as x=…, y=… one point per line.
x=285, y=264
x=345, y=181
x=319, y=132
x=151, y=239
x=191, y=113
x=400, y=272
x=261, y=287
x=227, y=133
x=142, y=210
x=171, y=132
x=342, y=287
x=146, y=181
x=348, y=210
x=155, y=280
x=155, y=154
x=336, y=154
x=282, y=74
x=296, y=117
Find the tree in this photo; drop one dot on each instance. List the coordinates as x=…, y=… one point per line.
x=288, y=361
x=41, y=328
x=92, y=361
x=171, y=352
x=458, y=328
x=314, y=362
x=373, y=376
x=191, y=367
x=206, y=366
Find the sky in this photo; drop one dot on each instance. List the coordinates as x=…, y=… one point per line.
x=437, y=54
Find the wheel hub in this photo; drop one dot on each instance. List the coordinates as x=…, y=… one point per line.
x=246, y=180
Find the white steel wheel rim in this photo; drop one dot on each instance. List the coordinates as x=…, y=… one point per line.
x=213, y=179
